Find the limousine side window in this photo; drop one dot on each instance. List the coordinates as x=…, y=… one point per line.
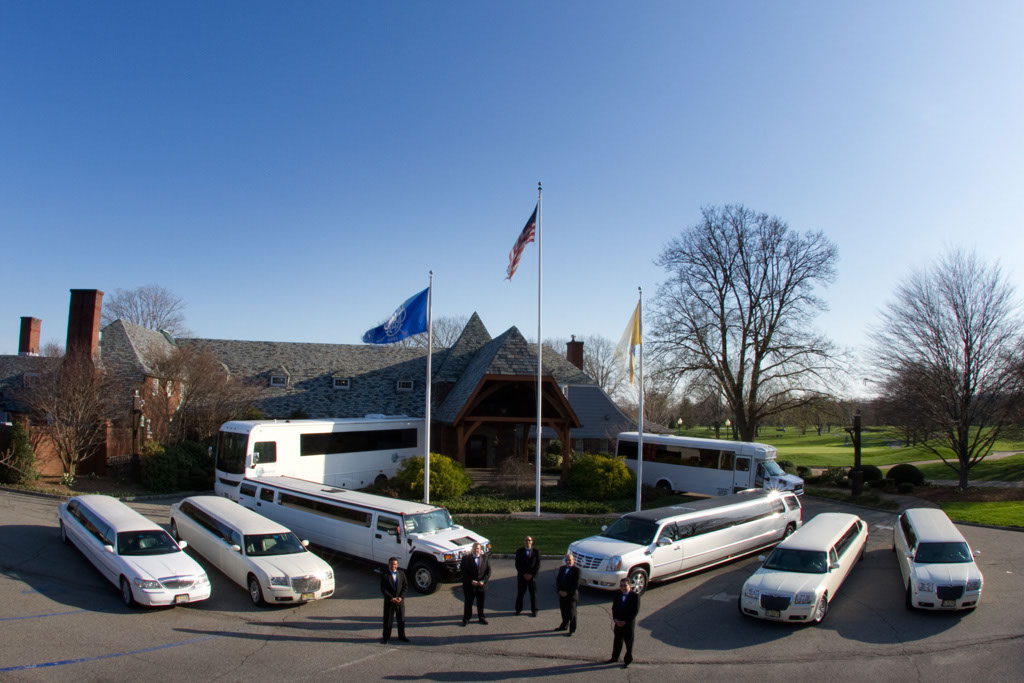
x=325, y=509
x=844, y=543
x=247, y=490
x=791, y=502
x=267, y=495
x=908, y=532
x=204, y=520
x=95, y=526
x=387, y=525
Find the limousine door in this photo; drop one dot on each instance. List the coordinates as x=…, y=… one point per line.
x=387, y=538
x=667, y=559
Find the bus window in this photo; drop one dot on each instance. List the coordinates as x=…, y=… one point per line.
x=727, y=460
x=231, y=452
x=265, y=452
x=742, y=464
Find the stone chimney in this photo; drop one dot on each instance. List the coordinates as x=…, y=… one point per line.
x=84, y=322
x=28, y=345
x=574, y=352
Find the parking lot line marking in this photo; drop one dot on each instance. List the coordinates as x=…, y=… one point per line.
x=355, y=661
x=109, y=655
x=40, y=616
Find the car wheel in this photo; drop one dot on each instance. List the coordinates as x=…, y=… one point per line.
x=910, y=599
x=790, y=528
x=126, y=593
x=255, y=592
x=637, y=580
x=174, y=531
x=424, y=577
x=64, y=535
x=821, y=609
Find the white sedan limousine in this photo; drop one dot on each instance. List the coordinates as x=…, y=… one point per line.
x=132, y=552
x=803, y=573
x=256, y=553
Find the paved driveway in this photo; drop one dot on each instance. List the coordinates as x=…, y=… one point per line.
x=61, y=621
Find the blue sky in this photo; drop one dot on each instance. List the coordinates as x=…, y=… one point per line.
x=294, y=170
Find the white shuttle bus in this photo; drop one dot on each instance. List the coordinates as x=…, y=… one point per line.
x=347, y=453
x=428, y=544
x=708, y=466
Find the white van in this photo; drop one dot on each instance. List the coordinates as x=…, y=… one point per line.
x=803, y=573
x=660, y=544
x=133, y=553
x=427, y=543
x=253, y=551
x=707, y=466
x=936, y=564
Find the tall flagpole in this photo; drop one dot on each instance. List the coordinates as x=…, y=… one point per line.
x=540, y=344
x=426, y=426
x=640, y=435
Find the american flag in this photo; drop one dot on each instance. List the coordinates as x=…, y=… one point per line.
x=525, y=237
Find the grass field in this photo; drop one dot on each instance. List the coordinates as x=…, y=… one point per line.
x=1009, y=513
x=550, y=536
x=1005, y=469
x=879, y=446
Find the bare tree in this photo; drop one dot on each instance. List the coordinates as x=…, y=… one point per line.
x=738, y=306
x=202, y=397
x=149, y=306
x=598, y=361
x=446, y=331
x=950, y=345
x=52, y=349
x=73, y=402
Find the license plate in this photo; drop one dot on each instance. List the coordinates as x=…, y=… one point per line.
x=179, y=599
x=772, y=613
x=308, y=596
x=949, y=603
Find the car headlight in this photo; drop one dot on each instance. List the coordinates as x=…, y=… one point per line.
x=278, y=580
x=926, y=586
x=146, y=585
x=974, y=585
x=614, y=563
x=328, y=575
x=804, y=598
x=751, y=592
x=202, y=579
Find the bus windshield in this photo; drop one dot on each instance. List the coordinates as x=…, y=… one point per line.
x=639, y=531
x=772, y=468
x=427, y=522
x=231, y=452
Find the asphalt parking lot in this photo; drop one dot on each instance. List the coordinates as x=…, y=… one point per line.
x=60, y=620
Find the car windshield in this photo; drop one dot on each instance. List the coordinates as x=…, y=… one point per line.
x=426, y=522
x=772, y=468
x=943, y=553
x=802, y=561
x=639, y=531
x=260, y=545
x=156, y=542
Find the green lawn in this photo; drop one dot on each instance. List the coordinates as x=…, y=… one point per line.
x=1009, y=513
x=1006, y=469
x=879, y=446
x=550, y=536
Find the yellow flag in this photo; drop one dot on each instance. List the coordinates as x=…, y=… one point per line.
x=625, y=352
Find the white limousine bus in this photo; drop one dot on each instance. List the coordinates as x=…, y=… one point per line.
x=347, y=453
x=707, y=466
x=427, y=543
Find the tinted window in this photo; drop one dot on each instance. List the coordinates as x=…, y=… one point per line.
x=792, y=502
x=801, y=561
x=231, y=452
x=627, y=450
x=908, y=532
x=325, y=509
x=742, y=464
x=267, y=495
x=266, y=451
x=943, y=553
x=145, y=543
x=847, y=540
x=357, y=442
x=247, y=490
x=386, y=525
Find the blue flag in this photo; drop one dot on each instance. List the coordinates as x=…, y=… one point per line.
x=409, y=319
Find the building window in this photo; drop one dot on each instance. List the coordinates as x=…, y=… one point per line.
x=29, y=379
x=341, y=383
x=156, y=385
x=278, y=380
x=403, y=385
x=170, y=387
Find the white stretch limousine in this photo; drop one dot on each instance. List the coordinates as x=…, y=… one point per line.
x=427, y=543
x=803, y=573
x=660, y=544
x=132, y=552
x=936, y=564
x=251, y=550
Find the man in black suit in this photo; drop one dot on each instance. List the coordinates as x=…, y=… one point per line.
x=567, y=581
x=527, y=567
x=393, y=586
x=625, y=607
x=476, y=572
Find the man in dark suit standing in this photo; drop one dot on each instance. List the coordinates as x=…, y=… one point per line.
x=625, y=607
x=476, y=572
x=568, y=584
x=527, y=567
x=393, y=586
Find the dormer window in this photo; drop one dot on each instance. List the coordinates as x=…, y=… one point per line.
x=279, y=380
x=341, y=383
x=29, y=379
x=403, y=385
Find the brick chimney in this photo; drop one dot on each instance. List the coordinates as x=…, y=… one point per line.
x=28, y=345
x=84, y=322
x=574, y=352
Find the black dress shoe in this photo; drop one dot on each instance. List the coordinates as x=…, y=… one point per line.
x=534, y=613
x=465, y=621
x=613, y=660
x=383, y=641
x=559, y=628
x=403, y=639
x=625, y=665
x=569, y=634
x=518, y=612
x=482, y=621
